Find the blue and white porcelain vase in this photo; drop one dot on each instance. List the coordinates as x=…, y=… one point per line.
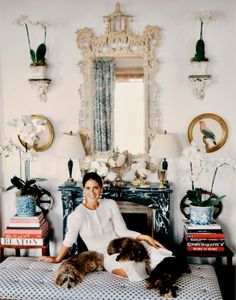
x=25, y=206
x=201, y=215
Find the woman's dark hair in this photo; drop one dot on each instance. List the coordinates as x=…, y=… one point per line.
x=93, y=176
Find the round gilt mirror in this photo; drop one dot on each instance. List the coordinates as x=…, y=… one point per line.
x=45, y=134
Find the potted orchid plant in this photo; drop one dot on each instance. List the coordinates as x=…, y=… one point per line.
x=199, y=198
x=38, y=56
x=28, y=194
x=199, y=61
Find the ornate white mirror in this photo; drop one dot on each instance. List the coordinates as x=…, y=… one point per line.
x=119, y=96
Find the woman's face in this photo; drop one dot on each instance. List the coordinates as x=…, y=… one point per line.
x=92, y=190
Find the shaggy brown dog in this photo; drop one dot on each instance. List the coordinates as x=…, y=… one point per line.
x=129, y=249
x=71, y=272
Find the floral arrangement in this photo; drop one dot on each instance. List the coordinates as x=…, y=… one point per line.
x=200, y=163
x=28, y=133
x=38, y=56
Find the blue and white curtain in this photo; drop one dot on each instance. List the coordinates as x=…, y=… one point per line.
x=104, y=82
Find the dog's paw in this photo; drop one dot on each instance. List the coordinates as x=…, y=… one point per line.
x=68, y=280
x=169, y=292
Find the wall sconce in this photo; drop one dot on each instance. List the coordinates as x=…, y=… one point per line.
x=72, y=147
x=164, y=146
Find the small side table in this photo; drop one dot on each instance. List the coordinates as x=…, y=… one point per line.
x=45, y=249
x=228, y=253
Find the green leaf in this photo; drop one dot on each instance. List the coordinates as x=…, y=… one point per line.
x=32, y=54
x=40, y=53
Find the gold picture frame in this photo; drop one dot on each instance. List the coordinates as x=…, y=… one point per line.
x=209, y=130
x=45, y=138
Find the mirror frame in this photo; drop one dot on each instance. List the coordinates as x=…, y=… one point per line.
x=118, y=41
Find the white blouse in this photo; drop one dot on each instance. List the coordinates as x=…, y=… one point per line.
x=97, y=227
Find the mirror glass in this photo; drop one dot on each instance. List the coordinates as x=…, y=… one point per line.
x=129, y=106
x=134, y=109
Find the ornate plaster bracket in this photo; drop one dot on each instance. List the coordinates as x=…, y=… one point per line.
x=41, y=86
x=199, y=82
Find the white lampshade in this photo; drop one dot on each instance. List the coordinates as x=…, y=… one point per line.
x=71, y=145
x=165, y=145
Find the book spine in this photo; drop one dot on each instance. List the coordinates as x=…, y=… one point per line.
x=205, y=244
x=199, y=248
x=204, y=240
x=203, y=227
x=22, y=241
x=40, y=230
x=204, y=235
x=27, y=219
x=26, y=235
x=12, y=221
x=203, y=230
x=25, y=225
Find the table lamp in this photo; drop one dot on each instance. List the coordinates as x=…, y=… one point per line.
x=72, y=148
x=165, y=145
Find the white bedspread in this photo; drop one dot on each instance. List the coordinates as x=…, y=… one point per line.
x=24, y=278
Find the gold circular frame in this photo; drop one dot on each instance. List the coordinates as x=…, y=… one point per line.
x=222, y=136
x=47, y=136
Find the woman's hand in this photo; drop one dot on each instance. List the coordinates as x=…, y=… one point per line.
x=51, y=259
x=150, y=240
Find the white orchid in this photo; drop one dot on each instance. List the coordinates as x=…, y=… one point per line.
x=200, y=163
x=99, y=167
x=29, y=133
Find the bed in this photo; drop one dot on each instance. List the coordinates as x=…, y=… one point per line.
x=25, y=278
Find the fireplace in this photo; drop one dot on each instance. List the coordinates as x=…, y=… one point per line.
x=138, y=217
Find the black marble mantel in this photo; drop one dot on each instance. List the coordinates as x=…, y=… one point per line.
x=153, y=196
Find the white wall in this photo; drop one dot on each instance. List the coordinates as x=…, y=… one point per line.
x=179, y=32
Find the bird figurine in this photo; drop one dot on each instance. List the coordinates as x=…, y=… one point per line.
x=207, y=134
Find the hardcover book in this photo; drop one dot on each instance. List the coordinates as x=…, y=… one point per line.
x=38, y=217
x=24, y=230
x=30, y=225
x=204, y=235
x=213, y=226
x=23, y=241
x=201, y=248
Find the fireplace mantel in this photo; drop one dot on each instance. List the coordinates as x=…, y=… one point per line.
x=153, y=197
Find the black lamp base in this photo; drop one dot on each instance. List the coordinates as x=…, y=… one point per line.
x=70, y=182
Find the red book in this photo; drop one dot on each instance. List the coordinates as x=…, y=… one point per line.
x=204, y=235
x=40, y=230
x=26, y=235
x=205, y=248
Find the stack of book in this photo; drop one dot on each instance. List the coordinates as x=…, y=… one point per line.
x=204, y=237
x=27, y=231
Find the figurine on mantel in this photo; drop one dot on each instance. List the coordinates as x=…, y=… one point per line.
x=141, y=174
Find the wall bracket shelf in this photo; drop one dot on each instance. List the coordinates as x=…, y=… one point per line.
x=41, y=85
x=199, y=82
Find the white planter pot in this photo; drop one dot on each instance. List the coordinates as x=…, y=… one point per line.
x=201, y=215
x=38, y=72
x=199, y=67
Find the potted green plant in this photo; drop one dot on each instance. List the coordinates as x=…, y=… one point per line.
x=29, y=195
x=38, y=56
x=200, y=61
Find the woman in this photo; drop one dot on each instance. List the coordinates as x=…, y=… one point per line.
x=98, y=222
